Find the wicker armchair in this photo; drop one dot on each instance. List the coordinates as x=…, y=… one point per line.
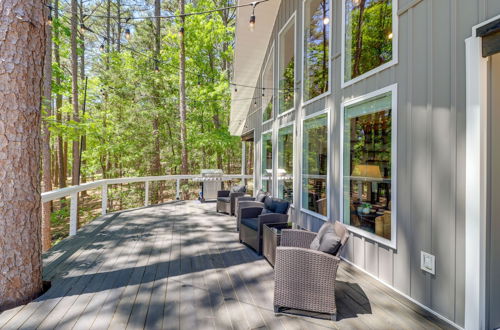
x=252, y=220
x=304, y=278
x=226, y=199
x=248, y=201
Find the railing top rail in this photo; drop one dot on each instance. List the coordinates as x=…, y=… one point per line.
x=64, y=192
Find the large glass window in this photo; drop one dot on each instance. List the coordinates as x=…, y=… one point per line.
x=287, y=67
x=368, y=36
x=267, y=162
x=315, y=164
x=367, y=165
x=316, y=47
x=285, y=163
x=268, y=91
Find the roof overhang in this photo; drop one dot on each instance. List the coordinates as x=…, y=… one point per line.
x=250, y=50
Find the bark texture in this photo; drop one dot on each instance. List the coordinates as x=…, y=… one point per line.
x=182, y=92
x=22, y=51
x=75, y=176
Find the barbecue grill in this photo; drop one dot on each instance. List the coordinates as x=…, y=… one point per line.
x=211, y=183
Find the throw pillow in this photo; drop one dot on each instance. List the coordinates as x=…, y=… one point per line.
x=260, y=196
x=268, y=204
x=327, y=227
x=280, y=207
x=329, y=243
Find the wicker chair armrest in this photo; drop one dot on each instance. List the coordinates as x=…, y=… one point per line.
x=273, y=218
x=223, y=193
x=297, y=238
x=250, y=212
x=305, y=267
x=235, y=195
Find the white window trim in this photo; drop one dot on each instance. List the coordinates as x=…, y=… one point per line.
x=393, y=89
x=269, y=131
x=329, y=91
x=380, y=68
x=277, y=155
x=270, y=58
x=292, y=18
x=312, y=213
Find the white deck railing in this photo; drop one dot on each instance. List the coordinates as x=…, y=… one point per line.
x=103, y=184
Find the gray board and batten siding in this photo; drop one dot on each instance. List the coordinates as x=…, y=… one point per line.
x=430, y=78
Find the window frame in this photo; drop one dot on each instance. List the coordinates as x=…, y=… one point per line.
x=393, y=89
x=328, y=162
x=380, y=68
x=269, y=131
x=330, y=49
x=293, y=158
x=293, y=18
x=270, y=58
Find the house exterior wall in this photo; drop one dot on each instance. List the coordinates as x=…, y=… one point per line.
x=430, y=78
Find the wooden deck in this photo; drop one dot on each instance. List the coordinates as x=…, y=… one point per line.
x=179, y=266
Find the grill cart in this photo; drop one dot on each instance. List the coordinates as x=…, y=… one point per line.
x=211, y=183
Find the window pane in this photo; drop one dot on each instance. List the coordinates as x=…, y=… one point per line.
x=315, y=164
x=267, y=161
x=368, y=165
x=285, y=163
x=368, y=35
x=287, y=68
x=316, y=50
x=267, y=82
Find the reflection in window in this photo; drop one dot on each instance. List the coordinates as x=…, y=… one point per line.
x=267, y=92
x=316, y=50
x=368, y=35
x=267, y=162
x=285, y=163
x=315, y=164
x=287, y=68
x=368, y=165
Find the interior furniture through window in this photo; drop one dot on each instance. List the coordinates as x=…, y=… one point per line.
x=267, y=162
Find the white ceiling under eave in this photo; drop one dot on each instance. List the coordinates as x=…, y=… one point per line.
x=250, y=50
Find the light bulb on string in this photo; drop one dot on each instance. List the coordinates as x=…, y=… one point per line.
x=102, y=47
x=82, y=28
x=252, y=17
x=326, y=20
x=49, y=18
x=390, y=35
x=181, y=32
x=127, y=34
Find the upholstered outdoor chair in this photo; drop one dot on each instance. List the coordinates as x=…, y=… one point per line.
x=305, y=278
x=226, y=199
x=253, y=218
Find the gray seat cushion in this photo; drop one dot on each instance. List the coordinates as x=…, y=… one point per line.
x=251, y=223
x=224, y=199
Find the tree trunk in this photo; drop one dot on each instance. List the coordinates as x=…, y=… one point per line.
x=359, y=40
x=83, y=143
x=22, y=50
x=182, y=92
x=119, y=23
x=75, y=178
x=59, y=101
x=46, y=153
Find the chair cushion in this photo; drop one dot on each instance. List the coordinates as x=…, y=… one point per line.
x=266, y=211
x=260, y=196
x=268, y=204
x=327, y=227
x=224, y=199
x=330, y=243
x=281, y=206
x=250, y=223
x=239, y=189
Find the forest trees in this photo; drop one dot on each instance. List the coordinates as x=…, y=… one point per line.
x=22, y=50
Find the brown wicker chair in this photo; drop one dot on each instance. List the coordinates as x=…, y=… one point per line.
x=248, y=201
x=305, y=278
x=226, y=199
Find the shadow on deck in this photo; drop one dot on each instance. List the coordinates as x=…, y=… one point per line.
x=179, y=266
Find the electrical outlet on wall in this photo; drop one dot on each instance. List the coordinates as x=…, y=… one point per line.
x=428, y=262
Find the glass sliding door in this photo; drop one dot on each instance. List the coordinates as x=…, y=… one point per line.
x=315, y=165
x=267, y=162
x=316, y=48
x=285, y=163
x=368, y=165
x=287, y=66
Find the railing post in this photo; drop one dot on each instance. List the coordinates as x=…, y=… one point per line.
x=104, y=199
x=73, y=214
x=146, y=194
x=178, y=189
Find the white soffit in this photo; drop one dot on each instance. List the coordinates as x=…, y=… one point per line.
x=249, y=52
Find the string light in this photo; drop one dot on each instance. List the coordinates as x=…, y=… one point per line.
x=102, y=47
x=49, y=19
x=252, y=17
x=390, y=36
x=127, y=34
x=82, y=28
x=181, y=32
x=326, y=20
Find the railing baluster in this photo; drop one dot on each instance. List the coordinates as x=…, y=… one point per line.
x=73, y=214
x=177, y=189
x=146, y=194
x=104, y=199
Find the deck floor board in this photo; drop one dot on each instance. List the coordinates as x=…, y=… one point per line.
x=179, y=265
